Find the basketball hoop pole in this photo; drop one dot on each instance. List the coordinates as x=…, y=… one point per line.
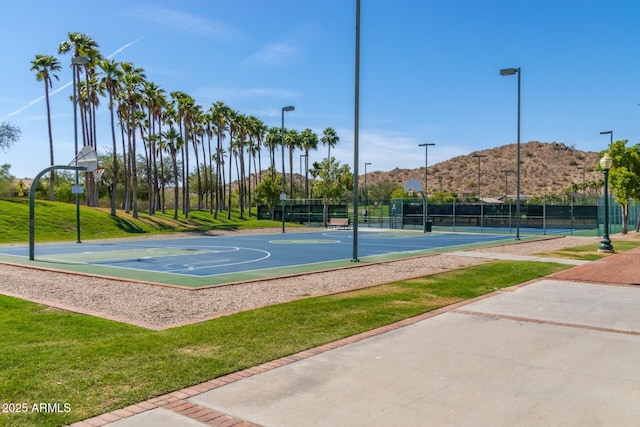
x=86, y=158
x=32, y=196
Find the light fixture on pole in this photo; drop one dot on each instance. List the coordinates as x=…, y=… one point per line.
x=75, y=62
x=610, y=133
x=605, y=243
x=283, y=195
x=426, y=175
x=510, y=72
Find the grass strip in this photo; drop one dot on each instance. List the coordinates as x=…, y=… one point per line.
x=590, y=252
x=96, y=366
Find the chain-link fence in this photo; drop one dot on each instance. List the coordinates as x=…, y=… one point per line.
x=551, y=218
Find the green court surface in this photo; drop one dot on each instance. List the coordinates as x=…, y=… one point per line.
x=203, y=261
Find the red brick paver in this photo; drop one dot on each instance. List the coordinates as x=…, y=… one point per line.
x=615, y=269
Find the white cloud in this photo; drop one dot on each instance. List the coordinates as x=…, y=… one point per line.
x=274, y=54
x=182, y=21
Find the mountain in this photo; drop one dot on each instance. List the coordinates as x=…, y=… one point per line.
x=545, y=168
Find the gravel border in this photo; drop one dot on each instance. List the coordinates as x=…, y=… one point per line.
x=160, y=307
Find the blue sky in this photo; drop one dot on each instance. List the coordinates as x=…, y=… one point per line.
x=429, y=70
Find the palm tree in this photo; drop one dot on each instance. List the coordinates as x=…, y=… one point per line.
x=231, y=118
x=218, y=116
x=111, y=75
x=242, y=133
x=197, y=132
x=87, y=95
x=173, y=143
x=257, y=131
x=329, y=138
x=291, y=141
x=81, y=45
x=272, y=140
x=133, y=82
x=308, y=141
x=45, y=67
x=154, y=100
x=185, y=105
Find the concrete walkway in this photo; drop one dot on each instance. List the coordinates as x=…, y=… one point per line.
x=560, y=351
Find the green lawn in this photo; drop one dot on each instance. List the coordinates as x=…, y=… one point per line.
x=95, y=366
x=57, y=222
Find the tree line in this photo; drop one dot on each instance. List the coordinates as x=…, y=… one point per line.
x=171, y=136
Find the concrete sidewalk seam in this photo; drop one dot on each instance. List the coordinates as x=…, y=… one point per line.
x=546, y=322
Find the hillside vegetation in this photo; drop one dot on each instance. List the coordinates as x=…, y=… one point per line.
x=545, y=168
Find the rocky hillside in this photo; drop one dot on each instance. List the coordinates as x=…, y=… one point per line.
x=546, y=168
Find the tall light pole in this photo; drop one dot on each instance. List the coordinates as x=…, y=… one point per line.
x=75, y=62
x=479, y=156
x=426, y=175
x=605, y=243
x=283, y=195
x=510, y=72
x=356, y=135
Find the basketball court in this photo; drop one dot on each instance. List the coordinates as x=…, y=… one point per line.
x=202, y=261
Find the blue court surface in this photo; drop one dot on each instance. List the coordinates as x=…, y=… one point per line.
x=202, y=261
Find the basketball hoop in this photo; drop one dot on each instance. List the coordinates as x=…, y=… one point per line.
x=86, y=158
x=97, y=174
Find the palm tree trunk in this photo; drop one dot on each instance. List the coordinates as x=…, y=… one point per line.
x=176, y=184
x=134, y=173
x=52, y=176
x=126, y=201
x=114, y=179
x=199, y=189
x=230, y=169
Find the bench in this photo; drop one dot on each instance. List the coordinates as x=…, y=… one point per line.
x=339, y=222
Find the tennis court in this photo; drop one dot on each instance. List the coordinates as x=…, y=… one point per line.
x=201, y=261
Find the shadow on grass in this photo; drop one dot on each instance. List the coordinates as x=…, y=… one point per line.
x=127, y=225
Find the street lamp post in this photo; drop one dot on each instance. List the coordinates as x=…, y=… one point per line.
x=426, y=187
x=75, y=62
x=605, y=243
x=510, y=72
x=283, y=195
